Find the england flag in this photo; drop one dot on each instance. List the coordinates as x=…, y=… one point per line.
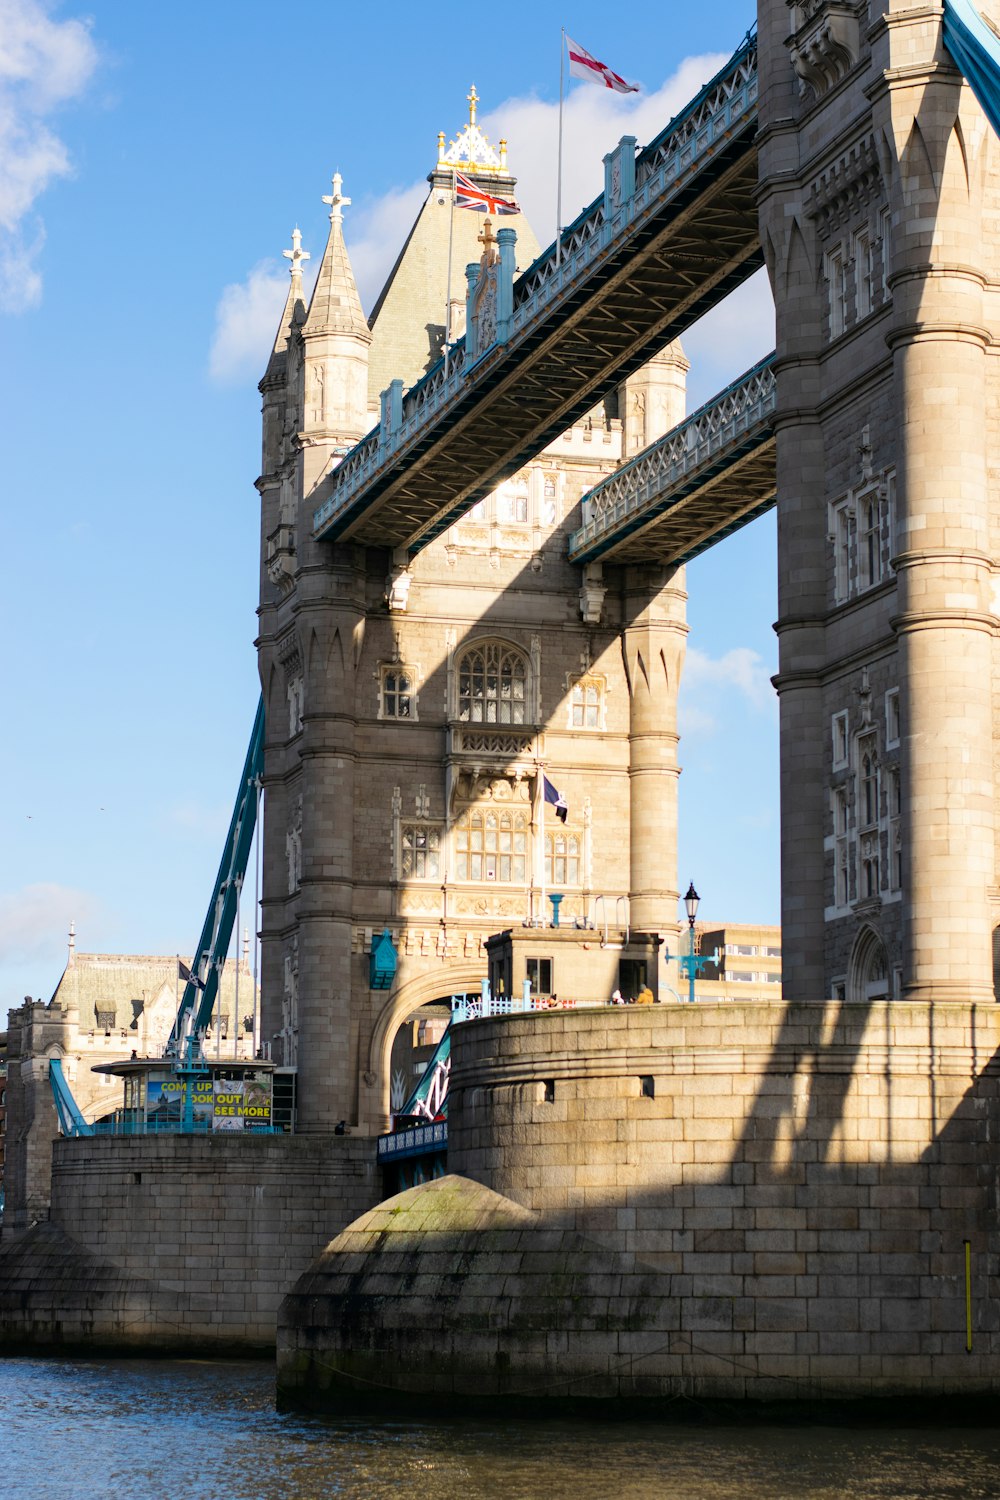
x=582, y=65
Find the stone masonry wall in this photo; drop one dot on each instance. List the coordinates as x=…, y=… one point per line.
x=195, y=1239
x=804, y=1177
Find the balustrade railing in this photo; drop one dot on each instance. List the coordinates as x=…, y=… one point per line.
x=726, y=422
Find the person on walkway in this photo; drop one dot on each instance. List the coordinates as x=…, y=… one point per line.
x=645, y=996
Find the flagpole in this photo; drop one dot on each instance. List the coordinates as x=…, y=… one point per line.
x=562, y=70
x=541, y=840
x=447, y=290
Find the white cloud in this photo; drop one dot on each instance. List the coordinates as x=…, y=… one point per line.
x=34, y=921
x=246, y=321
x=593, y=121
x=729, y=339
x=43, y=65
x=706, y=682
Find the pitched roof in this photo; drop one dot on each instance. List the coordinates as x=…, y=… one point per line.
x=408, y=319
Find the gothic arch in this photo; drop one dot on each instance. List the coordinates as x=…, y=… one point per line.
x=494, y=673
x=438, y=983
x=868, y=971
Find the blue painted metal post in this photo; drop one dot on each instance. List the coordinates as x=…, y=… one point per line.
x=557, y=900
x=471, y=329
x=506, y=240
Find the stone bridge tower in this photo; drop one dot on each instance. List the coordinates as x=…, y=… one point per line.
x=413, y=705
x=879, y=200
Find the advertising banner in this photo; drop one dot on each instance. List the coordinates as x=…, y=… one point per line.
x=241, y=1103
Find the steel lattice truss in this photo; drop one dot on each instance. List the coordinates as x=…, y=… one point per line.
x=706, y=478
x=625, y=285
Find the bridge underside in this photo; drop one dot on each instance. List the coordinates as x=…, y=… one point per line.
x=655, y=279
x=697, y=514
x=706, y=478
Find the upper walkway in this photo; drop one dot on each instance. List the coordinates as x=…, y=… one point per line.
x=706, y=478
x=673, y=233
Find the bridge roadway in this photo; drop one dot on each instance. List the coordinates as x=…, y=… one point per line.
x=674, y=232
x=710, y=475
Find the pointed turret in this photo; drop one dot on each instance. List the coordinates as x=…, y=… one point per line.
x=335, y=341
x=335, y=305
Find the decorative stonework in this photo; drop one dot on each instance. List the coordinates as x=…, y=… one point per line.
x=845, y=189
x=279, y=558
x=825, y=43
x=471, y=150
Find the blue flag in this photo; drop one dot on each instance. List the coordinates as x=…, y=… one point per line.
x=557, y=799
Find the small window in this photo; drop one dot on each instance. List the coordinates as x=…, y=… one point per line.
x=586, y=704
x=892, y=717
x=885, y=242
x=839, y=990
x=105, y=1020
x=549, y=1090
x=647, y=1087
x=512, y=502
x=549, y=500
x=868, y=770
x=840, y=741
x=539, y=975
x=420, y=852
x=397, y=694
x=562, y=860
x=869, y=539
x=862, y=273
x=836, y=275
x=842, y=524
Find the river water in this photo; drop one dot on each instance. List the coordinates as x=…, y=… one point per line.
x=86, y=1429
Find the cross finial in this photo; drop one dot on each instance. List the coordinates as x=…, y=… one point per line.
x=336, y=200
x=296, y=254
x=473, y=99
x=486, y=238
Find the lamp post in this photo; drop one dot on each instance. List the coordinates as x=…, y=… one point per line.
x=691, y=907
x=688, y=962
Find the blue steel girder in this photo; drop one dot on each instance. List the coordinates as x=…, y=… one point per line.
x=632, y=276
x=710, y=475
x=198, y=1000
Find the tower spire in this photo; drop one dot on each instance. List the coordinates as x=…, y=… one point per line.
x=335, y=305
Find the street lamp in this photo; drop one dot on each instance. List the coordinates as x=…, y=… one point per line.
x=687, y=962
x=691, y=907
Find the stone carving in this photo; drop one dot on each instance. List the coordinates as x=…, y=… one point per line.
x=592, y=592
x=293, y=848
x=397, y=588
x=295, y=693
x=825, y=43
x=290, y=1005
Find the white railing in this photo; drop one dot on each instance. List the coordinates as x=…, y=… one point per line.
x=743, y=410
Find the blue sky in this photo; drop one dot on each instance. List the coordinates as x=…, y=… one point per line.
x=153, y=161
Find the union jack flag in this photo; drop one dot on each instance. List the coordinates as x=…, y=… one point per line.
x=467, y=195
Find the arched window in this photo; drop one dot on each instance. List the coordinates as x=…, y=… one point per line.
x=491, y=845
x=492, y=685
x=868, y=976
x=562, y=860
